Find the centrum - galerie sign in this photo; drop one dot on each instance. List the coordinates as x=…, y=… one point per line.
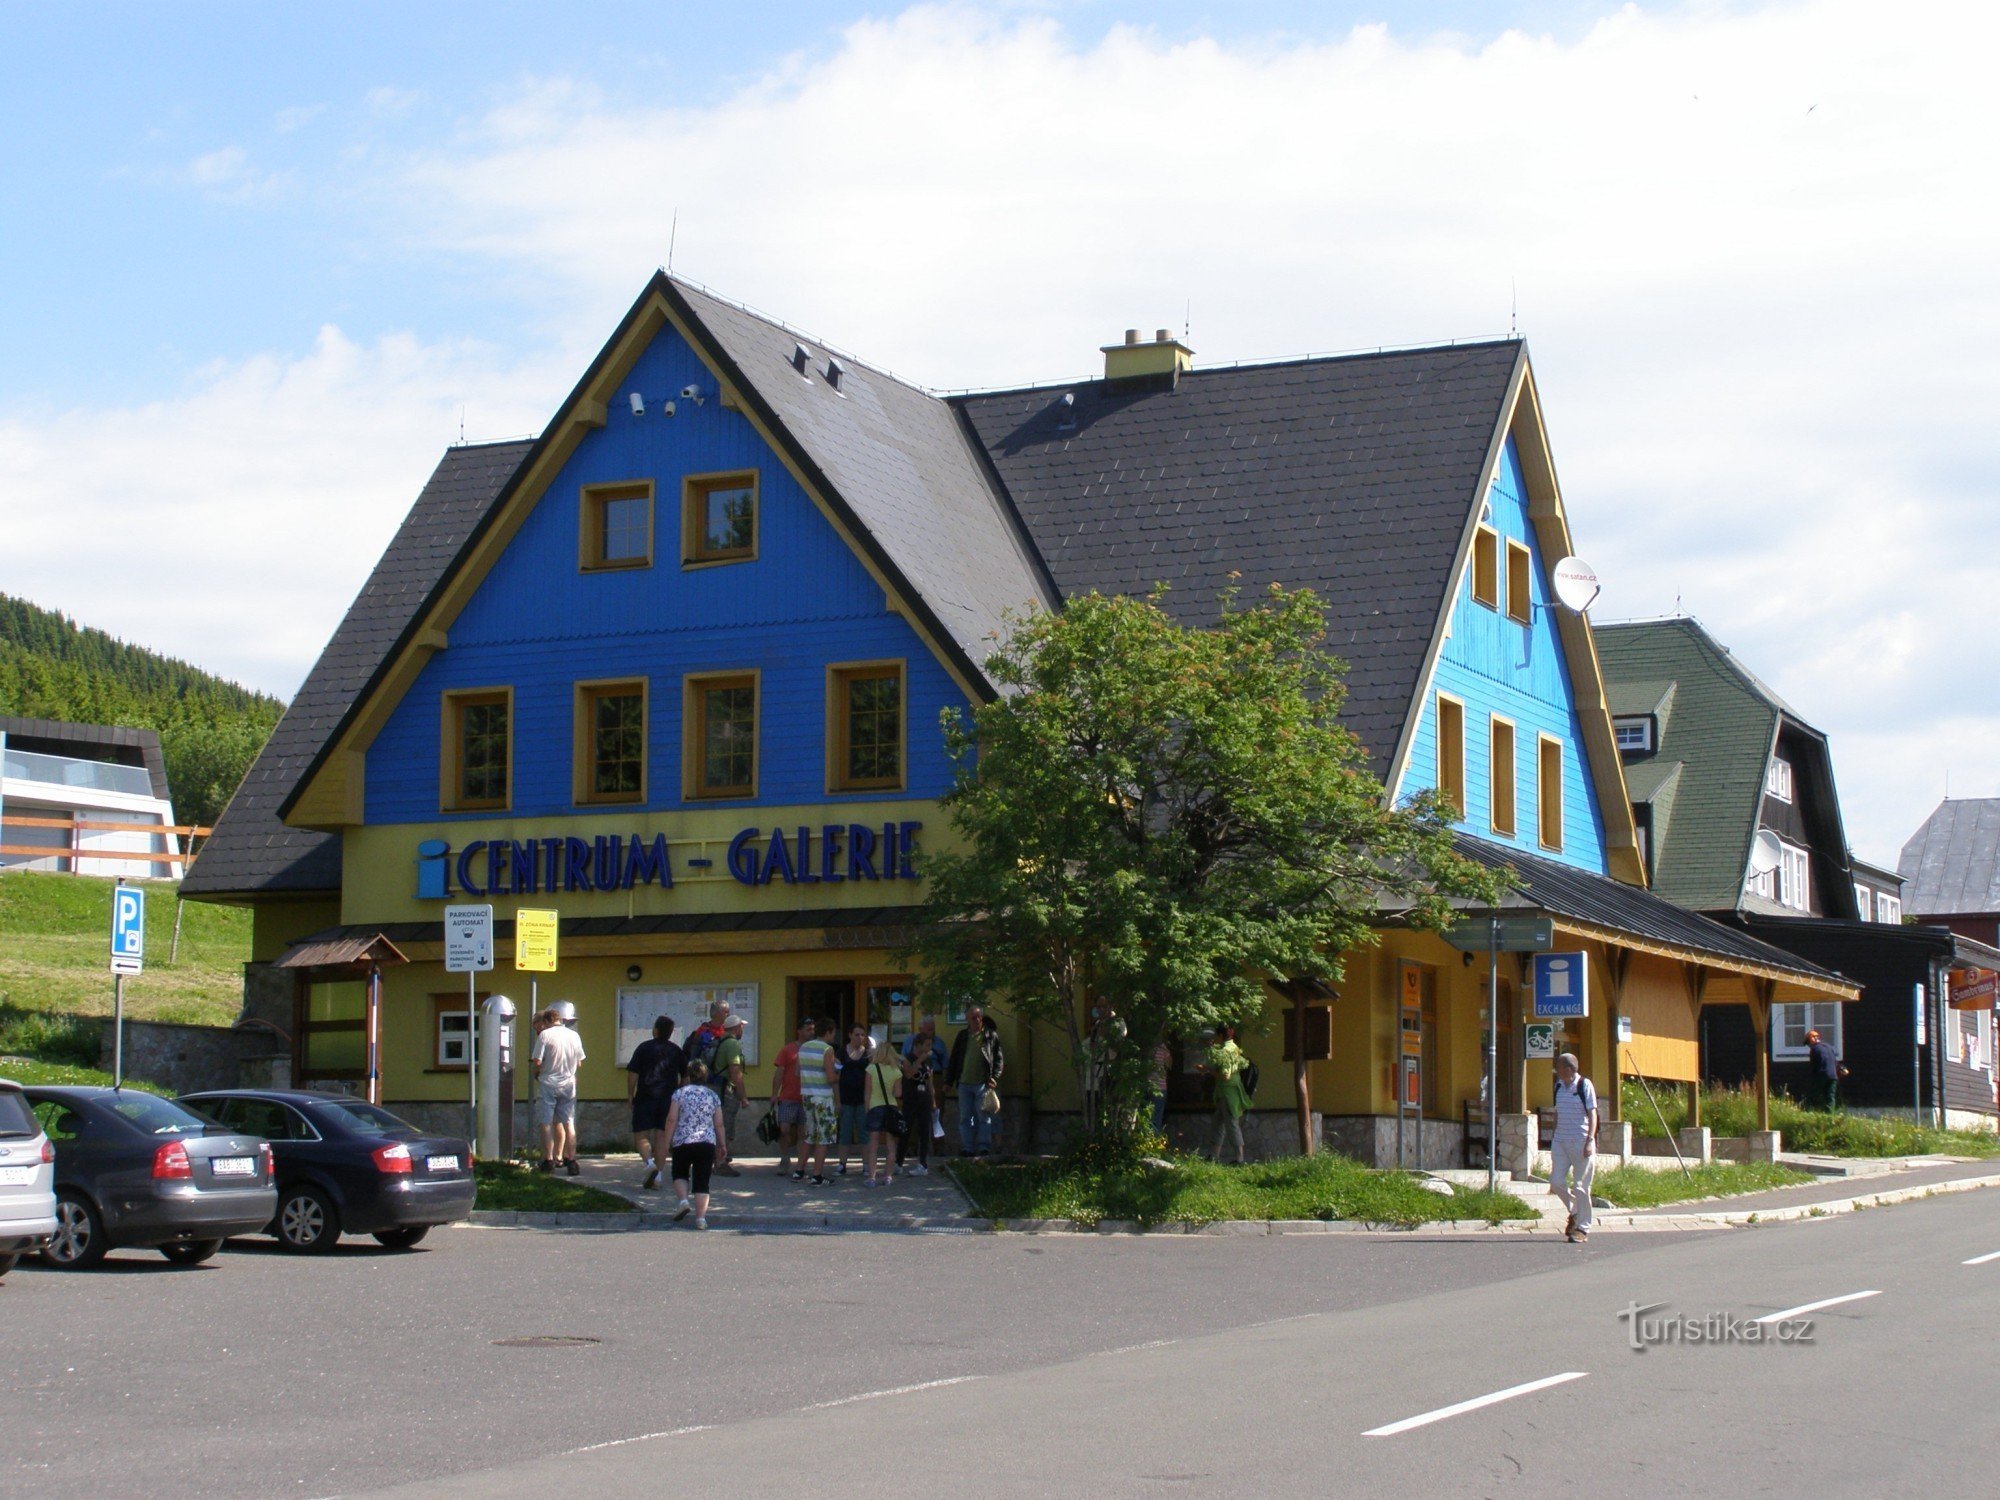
x=825, y=855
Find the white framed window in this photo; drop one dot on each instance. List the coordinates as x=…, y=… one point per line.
x=1765, y=885
x=1795, y=879
x=1778, y=779
x=1888, y=908
x=1864, y=901
x=1790, y=1023
x=454, y=1041
x=1634, y=733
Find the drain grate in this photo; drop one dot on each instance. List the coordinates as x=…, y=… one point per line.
x=546, y=1341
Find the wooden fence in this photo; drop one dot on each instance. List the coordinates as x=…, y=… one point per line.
x=186, y=834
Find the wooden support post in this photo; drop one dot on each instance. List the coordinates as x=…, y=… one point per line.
x=1619, y=962
x=1696, y=976
x=1301, y=1083
x=1760, y=1022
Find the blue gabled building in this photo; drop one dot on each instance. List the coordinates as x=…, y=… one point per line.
x=675, y=669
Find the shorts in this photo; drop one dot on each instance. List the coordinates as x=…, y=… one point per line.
x=555, y=1106
x=692, y=1164
x=790, y=1112
x=822, y=1120
x=853, y=1124
x=648, y=1115
x=878, y=1120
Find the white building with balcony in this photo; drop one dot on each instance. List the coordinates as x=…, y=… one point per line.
x=79, y=799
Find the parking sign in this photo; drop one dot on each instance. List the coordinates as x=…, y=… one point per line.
x=468, y=939
x=128, y=929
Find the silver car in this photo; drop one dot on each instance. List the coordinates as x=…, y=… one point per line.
x=27, y=1179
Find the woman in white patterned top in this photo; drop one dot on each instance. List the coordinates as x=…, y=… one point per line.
x=694, y=1134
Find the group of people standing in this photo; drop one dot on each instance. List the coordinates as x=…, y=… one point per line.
x=883, y=1102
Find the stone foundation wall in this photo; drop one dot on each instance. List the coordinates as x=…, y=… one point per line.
x=187, y=1059
x=1371, y=1140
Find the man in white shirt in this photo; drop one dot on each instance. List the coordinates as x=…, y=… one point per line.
x=1573, y=1151
x=557, y=1053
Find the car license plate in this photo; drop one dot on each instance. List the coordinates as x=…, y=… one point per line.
x=444, y=1164
x=236, y=1166
x=16, y=1176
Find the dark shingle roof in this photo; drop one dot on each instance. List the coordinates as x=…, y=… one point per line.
x=1354, y=477
x=251, y=850
x=1951, y=865
x=1632, y=911
x=897, y=458
x=1723, y=725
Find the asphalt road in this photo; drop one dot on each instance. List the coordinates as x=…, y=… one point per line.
x=1115, y=1366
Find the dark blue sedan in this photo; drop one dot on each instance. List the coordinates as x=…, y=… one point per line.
x=345, y=1166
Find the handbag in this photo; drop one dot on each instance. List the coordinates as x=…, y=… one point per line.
x=989, y=1102
x=892, y=1118
x=768, y=1129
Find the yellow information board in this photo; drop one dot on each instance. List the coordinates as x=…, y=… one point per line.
x=535, y=942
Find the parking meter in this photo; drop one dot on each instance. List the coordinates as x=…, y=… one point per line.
x=496, y=1079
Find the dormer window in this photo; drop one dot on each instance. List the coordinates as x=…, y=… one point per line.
x=1778, y=779
x=1635, y=734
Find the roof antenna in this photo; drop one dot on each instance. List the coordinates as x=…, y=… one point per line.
x=1513, y=308
x=461, y=424
x=673, y=233
x=1187, y=322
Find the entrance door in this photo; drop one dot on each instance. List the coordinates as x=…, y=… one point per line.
x=882, y=1003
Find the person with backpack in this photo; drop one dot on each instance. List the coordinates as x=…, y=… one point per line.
x=696, y=1134
x=1573, y=1148
x=1226, y=1064
x=651, y=1076
x=725, y=1076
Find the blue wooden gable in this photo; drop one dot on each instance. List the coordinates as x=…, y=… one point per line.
x=539, y=624
x=1494, y=665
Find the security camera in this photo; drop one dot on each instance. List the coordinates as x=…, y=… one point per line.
x=638, y=404
x=666, y=408
x=691, y=393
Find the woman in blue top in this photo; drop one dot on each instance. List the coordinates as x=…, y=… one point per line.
x=694, y=1131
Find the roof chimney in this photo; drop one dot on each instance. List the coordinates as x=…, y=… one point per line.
x=1160, y=363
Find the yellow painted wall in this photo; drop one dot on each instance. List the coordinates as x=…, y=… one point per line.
x=276, y=925
x=1664, y=1042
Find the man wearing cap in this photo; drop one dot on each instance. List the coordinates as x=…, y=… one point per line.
x=725, y=1076
x=1573, y=1151
x=1824, y=1074
x=557, y=1054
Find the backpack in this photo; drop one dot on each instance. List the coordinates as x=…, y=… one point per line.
x=701, y=1048
x=1246, y=1078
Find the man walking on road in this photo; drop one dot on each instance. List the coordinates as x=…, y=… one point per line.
x=1573, y=1152
x=651, y=1076
x=557, y=1054
x=1825, y=1073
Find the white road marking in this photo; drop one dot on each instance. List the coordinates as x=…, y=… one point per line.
x=1980, y=1260
x=1474, y=1404
x=1793, y=1312
x=644, y=1437
x=894, y=1390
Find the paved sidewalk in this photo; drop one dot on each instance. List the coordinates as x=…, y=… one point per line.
x=762, y=1200
x=1888, y=1177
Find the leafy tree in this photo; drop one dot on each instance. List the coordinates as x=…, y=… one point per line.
x=1162, y=818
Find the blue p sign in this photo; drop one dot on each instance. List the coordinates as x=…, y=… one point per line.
x=128, y=929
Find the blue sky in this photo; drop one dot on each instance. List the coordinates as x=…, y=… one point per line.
x=261, y=263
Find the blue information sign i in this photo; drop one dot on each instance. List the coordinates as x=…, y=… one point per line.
x=1562, y=985
x=128, y=929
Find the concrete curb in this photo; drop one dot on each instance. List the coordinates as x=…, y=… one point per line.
x=617, y=1223
x=1620, y=1221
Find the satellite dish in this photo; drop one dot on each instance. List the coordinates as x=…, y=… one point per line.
x=1766, y=853
x=1575, y=584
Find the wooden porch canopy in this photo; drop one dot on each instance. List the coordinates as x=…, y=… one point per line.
x=343, y=952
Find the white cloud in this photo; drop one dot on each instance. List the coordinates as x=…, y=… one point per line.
x=228, y=175
x=233, y=523
x=1752, y=246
